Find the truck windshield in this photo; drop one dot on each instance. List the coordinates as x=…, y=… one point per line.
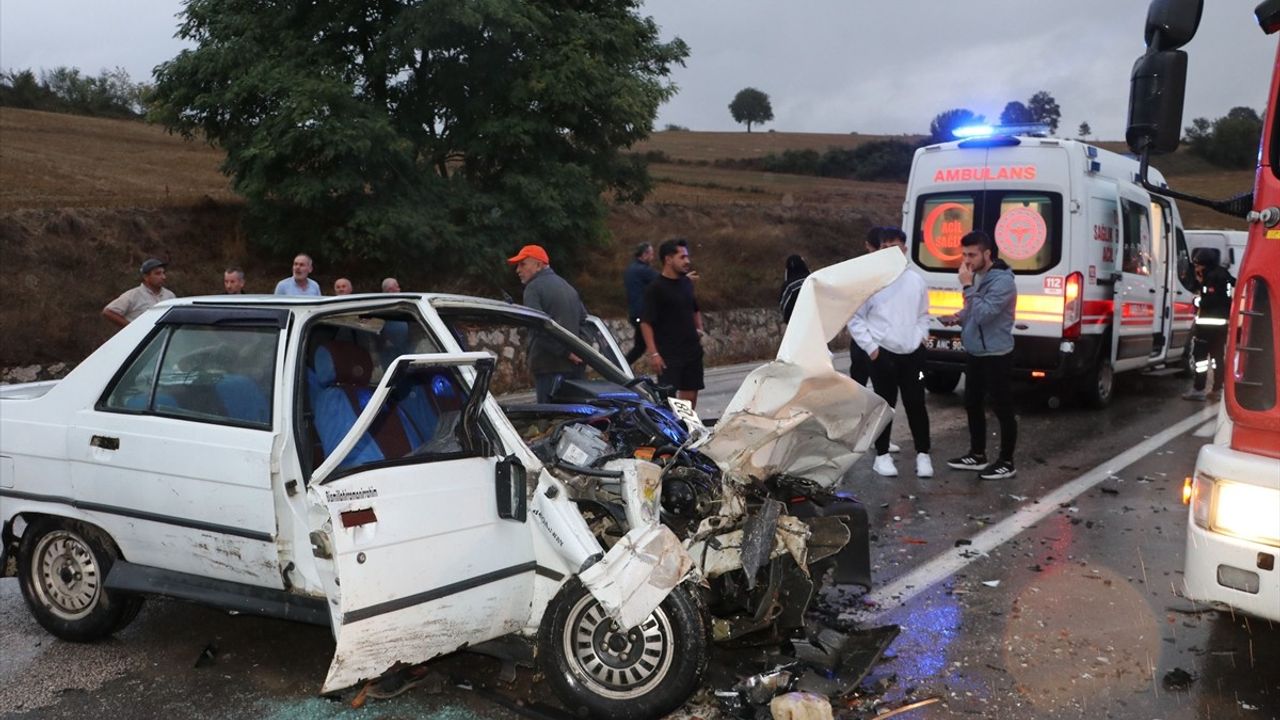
x=1026, y=225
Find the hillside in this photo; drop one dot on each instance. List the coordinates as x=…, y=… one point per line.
x=87, y=199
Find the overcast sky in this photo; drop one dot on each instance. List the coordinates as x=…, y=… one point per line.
x=870, y=66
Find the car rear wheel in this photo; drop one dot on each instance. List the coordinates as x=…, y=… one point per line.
x=1098, y=386
x=601, y=671
x=941, y=382
x=62, y=569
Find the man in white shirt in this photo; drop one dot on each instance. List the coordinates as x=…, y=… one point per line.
x=300, y=283
x=132, y=303
x=892, y=327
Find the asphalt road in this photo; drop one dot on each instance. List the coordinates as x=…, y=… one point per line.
x=1063, y=604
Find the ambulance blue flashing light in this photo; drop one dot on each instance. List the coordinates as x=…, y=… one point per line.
x=966, y=132
x=972, y=131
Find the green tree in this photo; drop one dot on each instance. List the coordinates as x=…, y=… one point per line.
x=1084, y=131
x=450, y=130
x=1015, y=113
x=945, y=122
x=1230, y=141
x=1044, y=109
x=751, y=106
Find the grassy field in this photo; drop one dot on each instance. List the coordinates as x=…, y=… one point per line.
x=88, y=199
x=50, y=160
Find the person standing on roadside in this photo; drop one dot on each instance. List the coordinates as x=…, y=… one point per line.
x=233, y=281
x=343, y=286
x=544, y=290
x=390, y=285
x=671, y=323
x=636, y=278
x=133, y=302
x=793, y=276
x=891, y=327
x=1213, y=307
x=300, y=283
x=986, y=330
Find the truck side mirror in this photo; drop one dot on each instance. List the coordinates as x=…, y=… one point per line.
x=509, y=484
x=1156, y=90
x=1172, y=23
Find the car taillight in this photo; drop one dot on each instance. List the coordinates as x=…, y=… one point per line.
x=1072, y=306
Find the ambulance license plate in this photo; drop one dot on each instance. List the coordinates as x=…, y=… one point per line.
x=948, y=344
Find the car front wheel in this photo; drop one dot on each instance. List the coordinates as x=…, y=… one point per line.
x=62, y=568
x=601, y=671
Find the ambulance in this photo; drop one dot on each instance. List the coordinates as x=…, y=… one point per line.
x=1094, y=256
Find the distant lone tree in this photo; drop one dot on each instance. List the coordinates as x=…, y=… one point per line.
x=945, y=122
x=1044, y=109
x=1015, y=113
x=403, y=131
x=1084, y=131
x=751, y=106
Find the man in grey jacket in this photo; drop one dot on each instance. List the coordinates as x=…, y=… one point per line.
x=544, y=290
x=986, y=329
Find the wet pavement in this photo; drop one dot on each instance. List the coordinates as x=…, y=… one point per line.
x=1076, y=616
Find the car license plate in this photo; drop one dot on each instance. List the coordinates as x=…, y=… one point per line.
x=949, y=344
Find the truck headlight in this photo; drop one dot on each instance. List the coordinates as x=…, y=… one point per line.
x=1238, y=509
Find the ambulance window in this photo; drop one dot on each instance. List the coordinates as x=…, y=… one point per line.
x=944, y=219
x=1137, y=238
x=1023, y=231
x=1026, y=225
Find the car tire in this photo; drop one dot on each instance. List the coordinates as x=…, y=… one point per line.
x=645, y=673
x=941, y=382
x=62, y=569
x=1098, y=385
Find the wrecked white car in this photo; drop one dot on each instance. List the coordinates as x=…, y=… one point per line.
x=374, y=463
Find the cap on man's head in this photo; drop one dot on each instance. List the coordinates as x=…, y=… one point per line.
x=530, y=251
x=151, y=264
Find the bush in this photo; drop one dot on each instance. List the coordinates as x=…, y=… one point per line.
x=1230, y=141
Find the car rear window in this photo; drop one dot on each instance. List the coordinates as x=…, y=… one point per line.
x=1027, y=227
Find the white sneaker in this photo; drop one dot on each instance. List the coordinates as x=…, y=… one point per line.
x=894, y=447
x=884, y=466
x=924, y=466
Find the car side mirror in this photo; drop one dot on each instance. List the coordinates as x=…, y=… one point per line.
x=510, y=488
x=1156, y=91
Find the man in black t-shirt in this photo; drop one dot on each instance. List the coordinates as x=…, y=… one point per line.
x=672, y=324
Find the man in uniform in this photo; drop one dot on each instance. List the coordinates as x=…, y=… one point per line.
x=1210, y=339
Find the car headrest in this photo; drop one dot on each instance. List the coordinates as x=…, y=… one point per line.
x=342, y=363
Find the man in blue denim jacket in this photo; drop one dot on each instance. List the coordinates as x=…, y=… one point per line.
x=986, y=329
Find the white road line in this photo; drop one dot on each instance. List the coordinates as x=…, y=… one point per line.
x=883, y=600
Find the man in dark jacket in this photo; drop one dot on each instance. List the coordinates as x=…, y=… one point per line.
x=635, y=279
x=986, y=329
x=1213, y=308
x=549, y=359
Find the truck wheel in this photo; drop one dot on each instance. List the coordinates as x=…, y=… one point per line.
x=600, y=672
x=941, y=382
x=1098, y=385
x=62, y=568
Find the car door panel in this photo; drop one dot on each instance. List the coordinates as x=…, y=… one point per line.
x=420, y=563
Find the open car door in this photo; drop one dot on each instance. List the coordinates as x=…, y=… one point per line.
x=418, y=525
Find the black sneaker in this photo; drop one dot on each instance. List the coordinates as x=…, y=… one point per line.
x=999, y=470
x=972, y=461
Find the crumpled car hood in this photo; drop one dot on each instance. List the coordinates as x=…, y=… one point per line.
x=798, y=415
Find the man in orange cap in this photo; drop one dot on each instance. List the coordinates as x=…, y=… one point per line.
x=544, y=290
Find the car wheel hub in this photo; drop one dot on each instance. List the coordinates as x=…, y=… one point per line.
x=66, y=575
x=617, y=664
